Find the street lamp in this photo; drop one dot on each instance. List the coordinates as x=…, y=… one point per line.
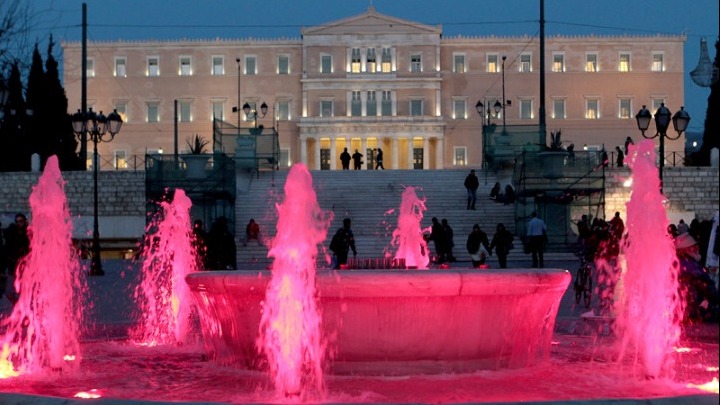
x=100, y=129
x=680, y=121
x=249, y=110
x=492, y=111
x=507, y=103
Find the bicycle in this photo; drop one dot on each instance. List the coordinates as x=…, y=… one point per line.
x=583, y=282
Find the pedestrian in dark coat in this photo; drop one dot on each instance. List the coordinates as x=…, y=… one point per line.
x=502, y=242
x=345, y=159
x=471, y=185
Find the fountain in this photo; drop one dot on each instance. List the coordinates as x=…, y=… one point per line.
x=381, y=321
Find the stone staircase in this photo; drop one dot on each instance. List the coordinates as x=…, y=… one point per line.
x=372, y=199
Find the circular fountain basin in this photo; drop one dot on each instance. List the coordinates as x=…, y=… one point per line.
x=397, y=321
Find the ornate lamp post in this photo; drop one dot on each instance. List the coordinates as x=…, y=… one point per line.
x=252, y=111
x=490, y=112
x=100, y=129
x=680, y=121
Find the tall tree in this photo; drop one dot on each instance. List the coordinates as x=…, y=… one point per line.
x=711, y=135
x=38, y=128
x=64, y=143
x=15, y=150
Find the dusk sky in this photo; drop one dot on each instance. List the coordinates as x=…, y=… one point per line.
x=232, y=19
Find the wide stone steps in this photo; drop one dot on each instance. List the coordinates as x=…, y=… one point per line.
x=372, y=200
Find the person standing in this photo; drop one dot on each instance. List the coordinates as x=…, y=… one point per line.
x=437, y=235
x=379, y=160
x=222, y=252
x=449, y=242
x=502, y=242
x=628, y=142
x=477, y=246
x=620, y=157
x=536, y=234
x=357, y=159
x=345, y=159
x=342, y=243
x=471, y=185
x=17, y=242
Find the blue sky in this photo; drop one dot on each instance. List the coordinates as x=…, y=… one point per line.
x=174, y=19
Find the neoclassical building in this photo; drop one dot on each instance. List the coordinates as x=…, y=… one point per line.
x=376, y=81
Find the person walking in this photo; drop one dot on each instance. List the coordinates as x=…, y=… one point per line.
x=536, y=234
x=620, y=157
x=345, y=159
x=342, y=243
x=502, y=242
x=449, y=242
x=379, y=160
x=471, y=185
x=437, y=235
x=477, y=245
x=357, y=159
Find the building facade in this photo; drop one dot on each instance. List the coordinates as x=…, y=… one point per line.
x=375, y=81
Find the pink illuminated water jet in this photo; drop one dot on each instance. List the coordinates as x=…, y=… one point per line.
x=163, y=298
x=290, y=329
x=408, y=235
x=42, y=331
x=649, y=308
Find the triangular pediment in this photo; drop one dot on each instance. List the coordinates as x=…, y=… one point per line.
x=371, y=22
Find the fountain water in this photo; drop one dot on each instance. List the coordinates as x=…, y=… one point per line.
x=168, y=255
x=42, y=332
x=408, y=235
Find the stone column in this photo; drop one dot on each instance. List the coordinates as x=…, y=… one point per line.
x=333, y=153
x=317, y=153
x=410, y=153
x=440, y=153
x=426, y=153
x=303, y=150
x=363, y=146
x=394, y=144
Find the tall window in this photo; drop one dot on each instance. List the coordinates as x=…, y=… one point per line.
x=120, y=67
x=525, y=65
x=185, y=66
x=416, y=107
x=120, y=160
x=625, y=108
x=592, y=108
x=326, y=108
x=386, y=60
x=416, y=63
x=355, y=104
x=153, y=66
x=526, y=109
x=459, y=63
x=153, y=112
x=90, y=67
x=558, y=62
x=559, y=108
x=284, y=110
x=656, y=103
x=325, y=64
x=386, y=103
x=355, y=60
x=460, y=156
x=218, y=110
x=250, y=65
x=218, y=65
x=492, y=63
x=657, y=62
x=624, y=65
x=371, y=66
x=283, y=65
x=591, y=62
x=121, y=108
x=185, y=111
x=371, y=104
x=460, y=108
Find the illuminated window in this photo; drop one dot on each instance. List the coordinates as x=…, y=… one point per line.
x=153, y=66
x=283, y=62
x=459, y=63
x=591, y=62
x=592, y=109
x=658, y=64
x=250, y=65
x=283, y=110
x=90, y=68
x=525, y=65
x=656, y=103
x=625, y=108
x=624, y=65
x=218, y=65
x=492, y=63
x=120, y=160
x=371, y=66
x=121, y=108
x=326, y=64
x=386, y=60
x=120, y=67
x=185, y=66
x=416, y=63
x=460, y=156
x=355, y=60
x=460, y=108
x=558, y=62
x=559, y=108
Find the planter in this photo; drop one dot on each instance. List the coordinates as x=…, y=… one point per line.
x=553, y=163
x=195, y=165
